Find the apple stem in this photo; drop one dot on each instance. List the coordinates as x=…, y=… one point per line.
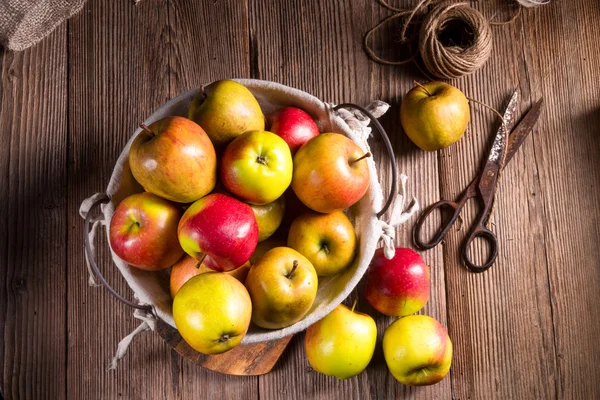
x=422, y=87
x=200, y=260
x=294, y=266
x=145, y=128
x=354, y=305
x=366, y=155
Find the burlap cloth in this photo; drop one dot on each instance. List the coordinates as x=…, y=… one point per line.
x=23, y=23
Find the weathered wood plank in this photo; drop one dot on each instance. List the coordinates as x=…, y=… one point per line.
x=317, y=47
x=564, y=69
x=499, y=319
x=33, y=179
x=118, y=57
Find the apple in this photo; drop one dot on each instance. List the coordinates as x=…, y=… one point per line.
x=219, y=231
x=330, y=173
x=399, y=286
x=327, y=240
x=212, y=312
x=283, y=286
x=417, y=350
x=257, y=167
x=226, y=109
x=342, y=343
x=269, y=217
x=143, y=232
x=174, y=158
x=294, y=126
x=187, y=267
x=434, y=115
x=263, y=247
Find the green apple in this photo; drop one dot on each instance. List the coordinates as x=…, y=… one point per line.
x=212, y=312
x=434, y=115
x=257, y=167
x=342, y=343
x=269, y=217
x=417, y=350
x=225, y=110
x=327, y=240
x=283, y=286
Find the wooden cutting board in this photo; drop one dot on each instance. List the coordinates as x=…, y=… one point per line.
x=245, y=359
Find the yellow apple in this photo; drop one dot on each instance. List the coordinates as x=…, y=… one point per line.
x=269, y=217
x=283, y=286
x=212, y=312
x=417, y=350
x=434, y=115
x=327, y=240
x=342, y=343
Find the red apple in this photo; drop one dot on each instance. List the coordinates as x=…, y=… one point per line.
x=330, y=173
x=294, y=126
x=174, y=158
x=143, y=232
x=220, y=231
x=399, y=286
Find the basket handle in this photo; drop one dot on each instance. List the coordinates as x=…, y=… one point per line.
x=390, y=149
x=90, y=256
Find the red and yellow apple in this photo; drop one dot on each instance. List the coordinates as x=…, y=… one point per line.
x=330, y=173
x=342, y=343
x=220, y=231
x=399, y=286
x=283, y=286
x=257, y=167
x=327, y=240
x=269, y=217
x=434, y=115
x=212, y=312
x=143, y=232
x=294, y=126
x=417, y=350
x=174, y=158
x=187, y=267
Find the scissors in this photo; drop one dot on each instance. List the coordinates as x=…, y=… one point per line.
x=483, y=187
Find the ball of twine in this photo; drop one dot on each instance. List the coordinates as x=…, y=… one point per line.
x=442, y=59
x=449, y=62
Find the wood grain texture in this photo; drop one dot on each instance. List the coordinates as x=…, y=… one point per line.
x=33, y=179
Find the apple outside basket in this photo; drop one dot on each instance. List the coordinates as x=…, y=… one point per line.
x=153, y=305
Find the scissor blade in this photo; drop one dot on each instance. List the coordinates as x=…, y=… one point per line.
x=489, y=176
x=522, y=130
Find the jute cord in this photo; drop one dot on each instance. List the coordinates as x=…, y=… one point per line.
x=441, y=61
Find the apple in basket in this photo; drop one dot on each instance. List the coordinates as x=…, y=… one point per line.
x=174, y=158
x=187, y=267
x=212, y=312
x=294, y=126
x=341, y=344
x=283, y=286
x=269, y=217
x=330, y=173
x=327, y=240
x=399, y=286
x=226, y=110
x=417, y=350
x=257, y=167
x=143, y=231
x=220, y=231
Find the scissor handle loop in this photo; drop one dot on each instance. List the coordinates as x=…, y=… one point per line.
x=442, y=230
x=480, y=231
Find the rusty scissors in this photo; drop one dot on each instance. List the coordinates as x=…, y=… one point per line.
x=483, y=187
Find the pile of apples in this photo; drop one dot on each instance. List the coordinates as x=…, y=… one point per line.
x=216, y=184
x=249, y=220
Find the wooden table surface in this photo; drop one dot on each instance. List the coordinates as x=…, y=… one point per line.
x=528, y=328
